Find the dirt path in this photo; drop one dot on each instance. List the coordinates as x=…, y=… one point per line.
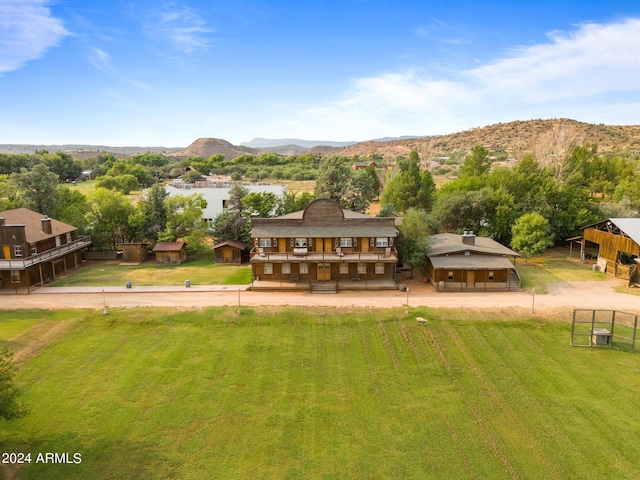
x=561, y=297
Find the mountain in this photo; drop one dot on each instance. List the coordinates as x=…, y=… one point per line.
x=262, y=143
x=543, y=138
x=83, y=151
x=205, y=147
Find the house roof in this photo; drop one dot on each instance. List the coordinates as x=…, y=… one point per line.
x=630, y=227
x=168, y=246
x=471, y=262
x=33, y=224
x=449, y=243
x=231, y=243
x=323, y=218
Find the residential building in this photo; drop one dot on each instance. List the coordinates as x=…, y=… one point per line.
x=35, y=249
x=323, y=247
x=216, y=193
x=470, y=263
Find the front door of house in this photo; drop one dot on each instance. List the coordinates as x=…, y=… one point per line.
x=6, y=252
x=324, y=272
x=327, y=244
x=471, y=278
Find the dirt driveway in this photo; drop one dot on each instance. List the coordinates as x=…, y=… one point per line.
x=561, y=298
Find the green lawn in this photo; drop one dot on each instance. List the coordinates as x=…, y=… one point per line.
x=284, y=393
x=199, y=269
x=554, y=266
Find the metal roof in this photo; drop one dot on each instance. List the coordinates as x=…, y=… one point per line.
x=630, y=226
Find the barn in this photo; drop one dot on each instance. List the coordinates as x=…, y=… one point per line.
x=230, y=251
x=618, y=242
x=170, y=253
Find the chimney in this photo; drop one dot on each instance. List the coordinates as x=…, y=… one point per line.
x=468, y=238
x=46, y=225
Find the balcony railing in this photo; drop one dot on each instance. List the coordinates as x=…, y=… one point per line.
x=51, y=254
x=388, y=254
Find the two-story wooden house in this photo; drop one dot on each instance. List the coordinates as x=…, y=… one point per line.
x=323, y=248
x=34, y=249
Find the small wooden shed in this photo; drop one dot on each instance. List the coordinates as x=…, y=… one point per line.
x=230, y=251
x=170, y=253
x=134, y=252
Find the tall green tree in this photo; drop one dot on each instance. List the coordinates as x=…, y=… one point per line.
x=71, y=208
x=107, y=219
x=37, y=189
x=531, y=235
x=333, y=178
x=184, y=219
x=415, y=228
x=409, y=187
x=265, y=204
x=233, y=223
x=477, y=163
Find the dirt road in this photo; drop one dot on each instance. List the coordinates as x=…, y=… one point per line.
x=560, y=297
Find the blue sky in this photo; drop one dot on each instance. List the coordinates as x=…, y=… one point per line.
x=155, y=73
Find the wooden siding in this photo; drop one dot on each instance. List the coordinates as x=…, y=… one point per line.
x=611, y=244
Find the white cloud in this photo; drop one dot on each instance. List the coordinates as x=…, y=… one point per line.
x=27, y=31
x=100, y=59
x=182, y=26
x=588, y=74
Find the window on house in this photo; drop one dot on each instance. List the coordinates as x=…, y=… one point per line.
x=268, y=268
x=34, y=250
x=382, y=242
x=58, y=241
x=265, y=242
x=304, y=268
x=15, y=276
x=286, y=268
x=346, y=242
x=68, y=237
x=301, y=242
x=450, y=276
x=490, y=275
x=344, y=268
x=372, y=242
x=17, y=250
x=379, y=268
x=275, y=242
x=362, y=268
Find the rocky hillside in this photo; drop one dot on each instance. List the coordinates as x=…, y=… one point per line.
x=205, y=147
x=543, y=138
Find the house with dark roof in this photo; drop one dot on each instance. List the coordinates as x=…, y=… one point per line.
x=470, y=263
x=323, y=248
x=35, y=249
x=618, y=241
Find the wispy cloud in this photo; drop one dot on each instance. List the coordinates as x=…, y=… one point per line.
x=27, y=31
x=100, y=59
x=182, y=27
x=588, y=74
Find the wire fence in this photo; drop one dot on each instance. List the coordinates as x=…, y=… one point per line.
x=613, y=328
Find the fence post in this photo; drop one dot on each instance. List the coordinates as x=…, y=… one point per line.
x=593, y=324
x=613, y=323
x=573, y=326
x=633, y=342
